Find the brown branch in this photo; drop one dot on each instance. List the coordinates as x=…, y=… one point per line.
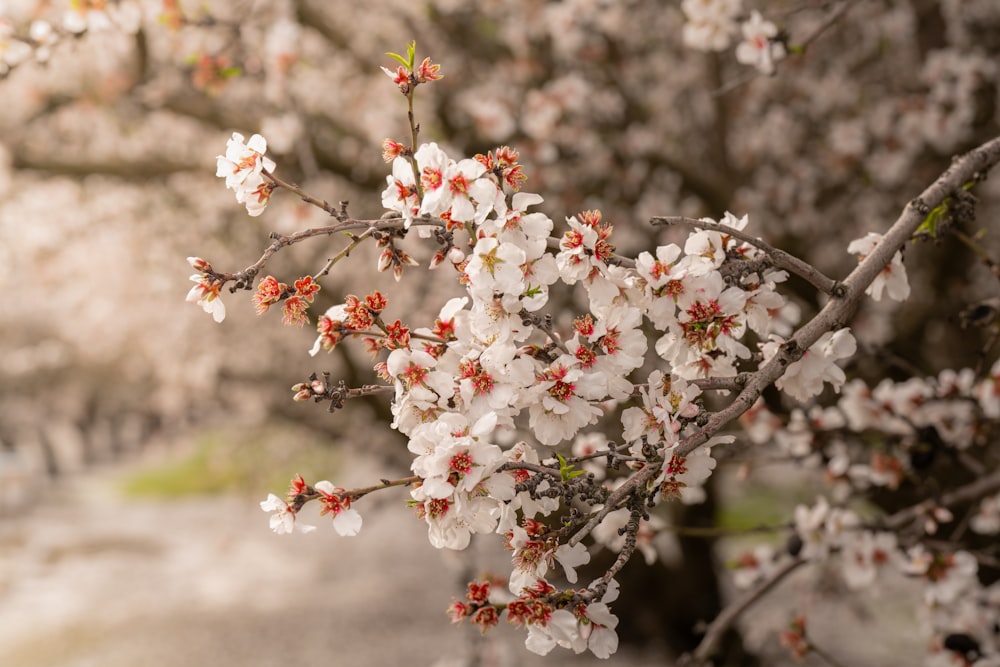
x=977, y=489
x=839, y=310
x=732, y=612
x=130, y=170
x=244, y=279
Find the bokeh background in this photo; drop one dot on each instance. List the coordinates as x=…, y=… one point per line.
x=136, y=435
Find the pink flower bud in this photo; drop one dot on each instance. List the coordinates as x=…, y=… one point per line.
x=303, y=395
x=199, y=264
x=318, y=387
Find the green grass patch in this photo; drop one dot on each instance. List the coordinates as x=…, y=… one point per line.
x=236, y=461
x=757, y=507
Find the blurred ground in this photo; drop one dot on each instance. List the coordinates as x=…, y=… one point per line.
x=90, y=577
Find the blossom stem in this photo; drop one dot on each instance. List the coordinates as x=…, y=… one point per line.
x=244, y=278
x=355, y=242
x=384, y=484
x=824, y=656
x=303, y=195
x=977, y=489
x=355, y=494
x=414, y=131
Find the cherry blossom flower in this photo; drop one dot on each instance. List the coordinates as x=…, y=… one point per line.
x=346, y=520
x=560, y=404
x=332, y=329
x=584, y=249
x=759, y=47
x=206, y=294
x=597, y=629
x=751, y=567
x=804, y=378
x=986, y=520
x=242, y=167
x=948, y=575
x=495, y=268
x=809, y=526
x=401, y=193
x=269, y=292
x=656, y=271
x=255, y=194
x=987, y=392
x=704, y=339
x=892, y=280
x=666, y=401
x=453, y=187
x=711, y=24
x=451, y=522
x=684, y=477
x=554, y=629
x=13, y=51
x=533, y=554
x=44, y=37
x=282, y=520
x=864, y=553
x=242, y=159
x=453, y=455
x=608, y=533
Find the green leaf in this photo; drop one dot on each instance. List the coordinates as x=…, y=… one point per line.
x=929, y=225
x=408, y=61
x=566, y=470
x=532, y=291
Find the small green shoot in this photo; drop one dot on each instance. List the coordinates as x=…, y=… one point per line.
x=567, y=471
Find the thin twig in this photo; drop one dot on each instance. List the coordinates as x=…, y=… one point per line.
x=303, y=195
x=778, y=257
x=732, y=612
x=834, y=16
x=346, y=252
x=977, y=489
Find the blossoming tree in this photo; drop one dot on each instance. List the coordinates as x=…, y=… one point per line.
x=493, y=368
x=581, y=374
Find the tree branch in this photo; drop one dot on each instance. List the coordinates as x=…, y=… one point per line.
x=839, y=310
x=732, y=612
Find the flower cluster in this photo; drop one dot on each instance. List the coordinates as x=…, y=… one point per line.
x=243, y=167
x=296, y=299
x=712, y=24
x=333, y=500
x=462, y=386
x=649, y=338
x=206, y=289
